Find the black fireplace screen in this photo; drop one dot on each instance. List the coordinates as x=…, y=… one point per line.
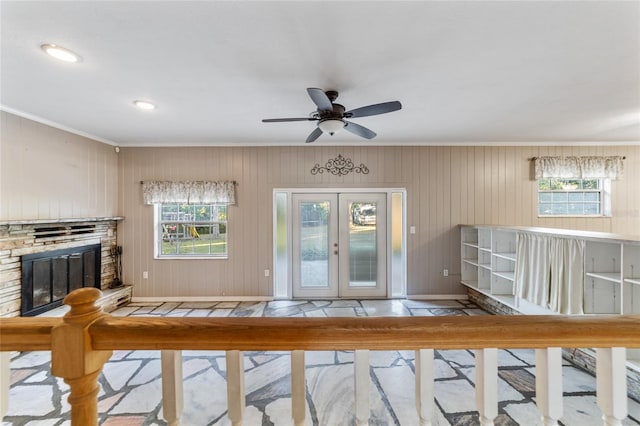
x=48, y=277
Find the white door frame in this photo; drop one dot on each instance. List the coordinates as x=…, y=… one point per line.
x=282, y=263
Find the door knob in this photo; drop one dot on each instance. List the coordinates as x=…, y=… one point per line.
x=335, y=252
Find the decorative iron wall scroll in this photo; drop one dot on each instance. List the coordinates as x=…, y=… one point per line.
x=339, y=166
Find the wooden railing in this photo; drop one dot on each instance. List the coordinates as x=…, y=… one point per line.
x=84, y=339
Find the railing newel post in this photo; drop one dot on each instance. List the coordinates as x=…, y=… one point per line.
x=298, y=388
x=611, y=383
x=74, y=360
x=172, y=388
x=487, y=385
x=425, y=404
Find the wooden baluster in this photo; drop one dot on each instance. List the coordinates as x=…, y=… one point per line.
x=298, y=388
x=172, y=392
x=487, y=385
x=362, y=379
x=235, y=386
x=5, y=379
x=549, y=384
x=611, y=382
x=73, y=359
x=424, y=386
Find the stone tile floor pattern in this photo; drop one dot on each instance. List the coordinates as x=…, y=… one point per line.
x=130, y=393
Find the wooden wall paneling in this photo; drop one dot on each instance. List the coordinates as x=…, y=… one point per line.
x=253, y=233
x=478, y=185
x=265, y=230
x=457, y=207
x=430, y=239
x=470, y=185
x=47, y=173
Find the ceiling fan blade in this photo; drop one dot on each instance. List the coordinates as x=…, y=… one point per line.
x=375, y=109
x=320, y=99
x=359, y=130
x=281, y=120
x=314, y=135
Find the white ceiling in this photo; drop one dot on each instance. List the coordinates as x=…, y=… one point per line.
x=525, y=72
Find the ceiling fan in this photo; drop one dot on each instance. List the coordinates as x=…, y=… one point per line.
x=331, y=117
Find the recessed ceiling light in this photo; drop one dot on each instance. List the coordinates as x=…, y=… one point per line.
x=144, y=105
x=60, y=53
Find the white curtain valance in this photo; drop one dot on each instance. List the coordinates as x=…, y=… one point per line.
x=189, y=192
x=579, y=167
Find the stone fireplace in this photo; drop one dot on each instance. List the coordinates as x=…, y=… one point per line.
x=45, y=259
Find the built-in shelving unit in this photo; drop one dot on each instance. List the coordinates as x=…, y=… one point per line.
x=488, y=262
x=611, y=269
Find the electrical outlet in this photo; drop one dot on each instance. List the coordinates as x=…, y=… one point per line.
x=445, y=273
x=145, y=275
x=412, y=229
x=266, y=272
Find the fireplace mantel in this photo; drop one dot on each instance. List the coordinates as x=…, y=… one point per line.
x=59, y=221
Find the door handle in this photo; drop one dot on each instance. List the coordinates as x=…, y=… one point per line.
x=335, y=252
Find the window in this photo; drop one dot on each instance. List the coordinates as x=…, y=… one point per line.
x=191, y=230
x=571, y=197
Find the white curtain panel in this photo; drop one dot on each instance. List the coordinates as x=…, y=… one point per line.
x=189, y=192
x=533, y=268
x=567, y=276
x=580, y=167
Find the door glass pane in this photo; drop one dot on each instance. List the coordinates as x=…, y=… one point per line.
x=363, y=257
x=281, y=250
x=314, y=244
x=397, y=252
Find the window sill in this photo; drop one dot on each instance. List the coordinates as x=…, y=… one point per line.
x=191, y=257
x=587, y=216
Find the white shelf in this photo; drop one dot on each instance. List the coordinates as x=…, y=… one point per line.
x=468, y=283
x=508, y=256
x=473, y=245
x=632, y=281
x=507, y=275
x=613, y=277
x=473, y=262
x=487, y=249
x=485, y=266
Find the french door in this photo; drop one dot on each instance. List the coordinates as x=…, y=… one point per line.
x=339, y=245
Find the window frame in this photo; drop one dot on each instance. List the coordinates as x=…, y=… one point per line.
x=159, y=232
x=604, y=202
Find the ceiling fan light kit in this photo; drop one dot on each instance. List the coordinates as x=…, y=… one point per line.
x=331, y=116
x=331, y=125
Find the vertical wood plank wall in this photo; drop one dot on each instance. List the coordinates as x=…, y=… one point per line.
x=445, y=186
x=46, y=173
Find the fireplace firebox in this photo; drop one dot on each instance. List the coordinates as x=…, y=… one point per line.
x=49, y=276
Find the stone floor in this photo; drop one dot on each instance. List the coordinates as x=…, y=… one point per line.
x=130, y=392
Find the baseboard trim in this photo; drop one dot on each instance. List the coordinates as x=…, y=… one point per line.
x=141, y=299
x=138, y=299
x=437, y=297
